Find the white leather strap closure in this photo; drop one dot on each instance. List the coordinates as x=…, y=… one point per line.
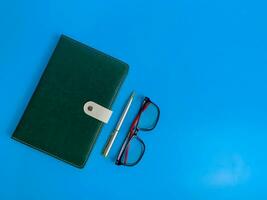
x=97, y=111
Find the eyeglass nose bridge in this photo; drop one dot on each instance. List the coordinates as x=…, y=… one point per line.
x=137, y=129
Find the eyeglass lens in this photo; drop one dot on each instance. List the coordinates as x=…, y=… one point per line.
x=133, y=151
x=148, y=118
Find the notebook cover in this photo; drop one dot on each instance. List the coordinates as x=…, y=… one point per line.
x=54, y=120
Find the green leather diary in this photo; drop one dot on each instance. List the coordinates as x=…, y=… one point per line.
x=56, y=120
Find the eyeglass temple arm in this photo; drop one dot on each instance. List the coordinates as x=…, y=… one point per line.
x=123, y=146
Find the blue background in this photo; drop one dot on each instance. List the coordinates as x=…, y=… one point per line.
x=203, y=62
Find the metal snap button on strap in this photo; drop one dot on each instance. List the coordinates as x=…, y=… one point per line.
x=97, y=111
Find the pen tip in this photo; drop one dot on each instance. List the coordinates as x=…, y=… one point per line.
x=133, y=93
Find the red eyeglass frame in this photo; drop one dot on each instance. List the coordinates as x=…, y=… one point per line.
x=134, y=129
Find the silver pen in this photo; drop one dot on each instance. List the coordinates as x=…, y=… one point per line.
x=117, y=129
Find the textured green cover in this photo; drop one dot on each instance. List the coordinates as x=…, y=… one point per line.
x=54, y=120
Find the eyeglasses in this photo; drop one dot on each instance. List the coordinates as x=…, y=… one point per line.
x=133, y=147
